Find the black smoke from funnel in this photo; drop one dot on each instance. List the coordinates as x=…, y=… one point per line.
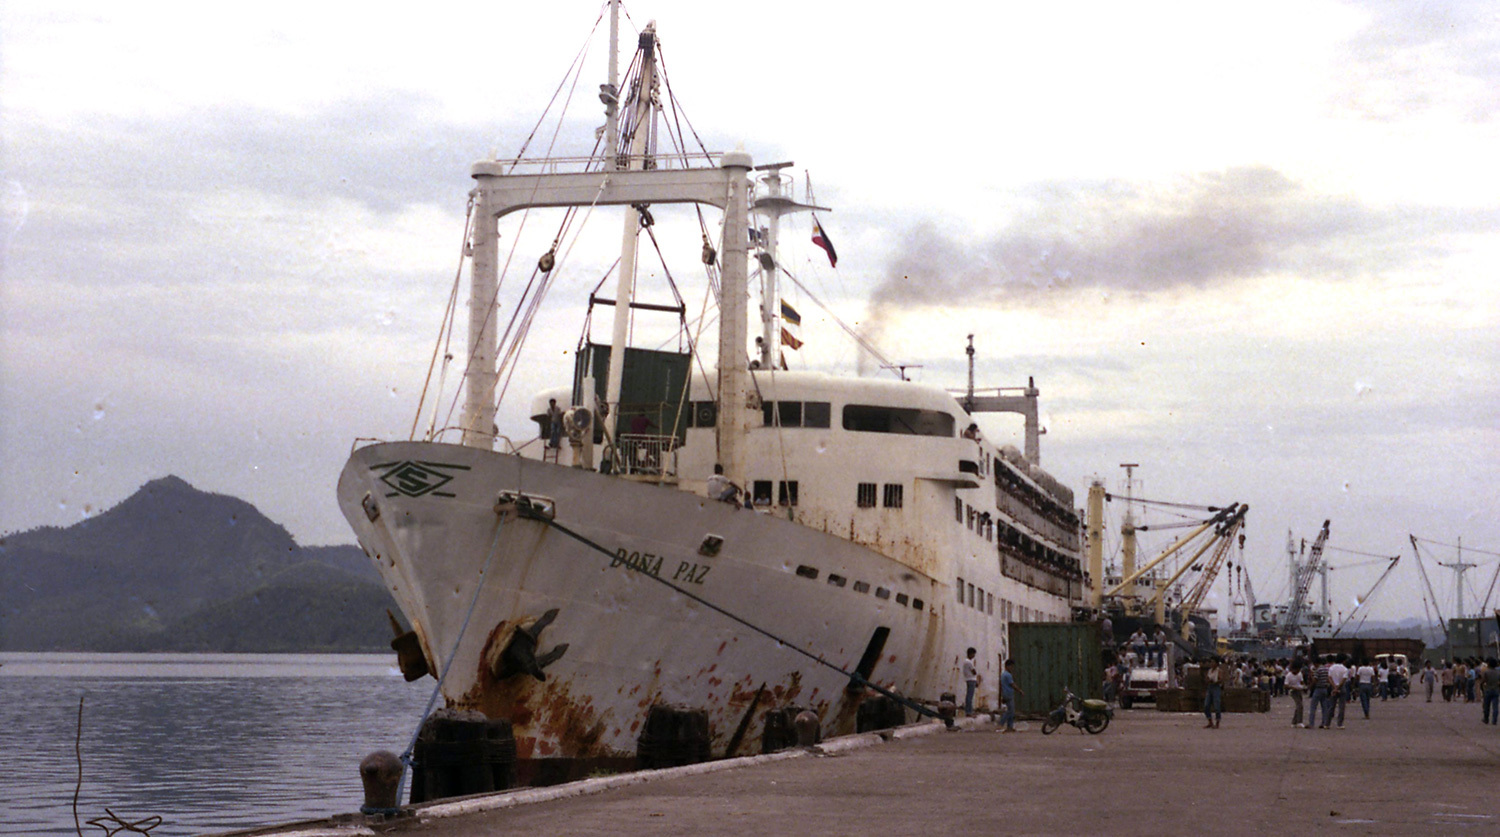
x=1109, y=238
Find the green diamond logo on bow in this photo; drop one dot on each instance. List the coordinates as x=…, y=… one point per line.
x=415, y=479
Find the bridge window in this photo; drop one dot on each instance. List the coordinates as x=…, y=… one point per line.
x=960, y=589
x=795, y=413
x=869, y=418
x=865, y=495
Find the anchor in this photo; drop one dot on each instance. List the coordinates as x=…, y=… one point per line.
x=520, y=657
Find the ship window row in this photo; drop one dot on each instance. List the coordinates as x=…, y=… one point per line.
x=863, y=418
x=786, y=492
x=978, y=522
x=1009, y=482
x=1018, y=544
x=976, y=597
x=1013, y=541
x=892, y=495
x=796, y=413
x=836, y=580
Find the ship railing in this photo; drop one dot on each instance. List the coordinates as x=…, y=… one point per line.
x=647, y=454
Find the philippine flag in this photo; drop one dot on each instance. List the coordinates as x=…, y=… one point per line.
x=821, y=239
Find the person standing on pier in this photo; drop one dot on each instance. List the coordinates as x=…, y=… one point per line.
x=1213, y=693
x=1320, y=696
x=1338, y=679
x=1447, y=681
x=1429, y=677
x=1489, y=681
x=971, y=681
x=1294, y=685
x=1008, y=690
x=1365, y=675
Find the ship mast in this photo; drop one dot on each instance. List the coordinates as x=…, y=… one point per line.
x=773, y=203
x=1127, y=535
x=639, y=115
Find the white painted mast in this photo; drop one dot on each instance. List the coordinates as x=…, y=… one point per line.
x=733, y=273
x=640, y=117
x=481, y=374
x=775, y=202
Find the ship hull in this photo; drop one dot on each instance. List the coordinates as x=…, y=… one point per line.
x=661, y=597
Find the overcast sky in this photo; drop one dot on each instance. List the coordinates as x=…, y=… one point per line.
x=1250, y=246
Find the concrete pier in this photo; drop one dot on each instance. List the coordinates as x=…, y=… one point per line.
x=1413, y=767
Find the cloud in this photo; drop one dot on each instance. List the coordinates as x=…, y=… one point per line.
x=1412, y=58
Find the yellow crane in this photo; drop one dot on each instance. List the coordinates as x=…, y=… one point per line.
x=1224, y=525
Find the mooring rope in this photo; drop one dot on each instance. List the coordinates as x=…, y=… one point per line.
x=411, y=747
x=530, y=513
x=111, y=823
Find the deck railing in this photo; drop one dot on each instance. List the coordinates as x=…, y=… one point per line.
x=646, y=454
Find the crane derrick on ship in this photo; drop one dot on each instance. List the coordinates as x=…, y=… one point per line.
x=1171, y=588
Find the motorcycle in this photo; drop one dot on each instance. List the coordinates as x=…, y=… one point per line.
x=1090, y=716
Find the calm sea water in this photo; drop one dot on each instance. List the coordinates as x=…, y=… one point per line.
x=209, y=742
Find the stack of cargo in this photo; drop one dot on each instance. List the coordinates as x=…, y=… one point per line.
x=1189, y=698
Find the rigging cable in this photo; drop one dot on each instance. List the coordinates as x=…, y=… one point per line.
x=577, y=60
x=411, y=747
x=1422, y=569
x=576, y=70
x=885, y=362
x=445, y=328
x=1456, y=546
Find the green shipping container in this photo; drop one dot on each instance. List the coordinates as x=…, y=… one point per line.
x=1052, y=656
x=653, y=387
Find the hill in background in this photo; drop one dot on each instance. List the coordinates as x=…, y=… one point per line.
x=172, y=568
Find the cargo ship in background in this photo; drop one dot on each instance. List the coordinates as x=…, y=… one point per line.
x=574, y=583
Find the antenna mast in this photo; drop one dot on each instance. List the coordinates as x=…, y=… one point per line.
x=1459, y=567
x=969, y=398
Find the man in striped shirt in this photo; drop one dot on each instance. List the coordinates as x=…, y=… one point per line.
x=1322, y=690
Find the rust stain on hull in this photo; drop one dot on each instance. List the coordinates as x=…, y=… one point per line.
x=547, y=720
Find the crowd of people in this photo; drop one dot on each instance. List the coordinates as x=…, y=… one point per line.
x=1325, y=686
x=1322, y=688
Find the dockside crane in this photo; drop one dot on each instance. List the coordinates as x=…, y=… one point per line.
x=1225, y=523
x=1292, y=620
x=1370, y=594
x=1224, y=537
